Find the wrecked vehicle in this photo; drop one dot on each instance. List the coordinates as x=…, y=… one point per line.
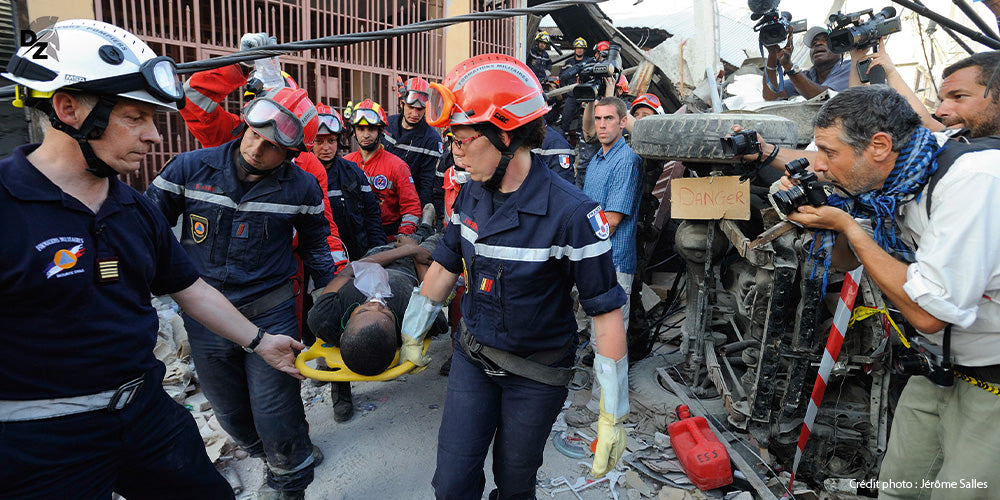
x=757, y=311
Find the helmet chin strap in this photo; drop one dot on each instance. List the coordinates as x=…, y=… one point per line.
x=248, y=168
x=506, y=154
x=92, y=128
x=374, y=145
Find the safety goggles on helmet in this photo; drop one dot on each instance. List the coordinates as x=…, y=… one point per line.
x=440, y=106
x=579, y=43
x=650, y=101
x=415, y=98
x=263, y=112
x=157, y=76
x=366, y=116
x=329, y=124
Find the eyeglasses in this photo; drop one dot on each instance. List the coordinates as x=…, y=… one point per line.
x=461, y=143
x=331, y=123
x=263, y=112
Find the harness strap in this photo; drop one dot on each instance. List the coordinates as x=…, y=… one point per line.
x=498, y=362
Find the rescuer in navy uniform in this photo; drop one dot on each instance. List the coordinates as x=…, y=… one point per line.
x=82, y=409
x=523, y=237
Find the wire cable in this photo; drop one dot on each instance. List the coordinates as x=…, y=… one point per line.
x=7, y=92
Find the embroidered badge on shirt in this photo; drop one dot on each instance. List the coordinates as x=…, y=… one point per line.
x=564, y=161
x=599, y=223
x=486, y=285
x=380, y=182
x=199, y=228
x=64, y=259
x=241, y=231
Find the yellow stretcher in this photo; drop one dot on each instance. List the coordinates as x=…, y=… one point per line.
x=338, y=370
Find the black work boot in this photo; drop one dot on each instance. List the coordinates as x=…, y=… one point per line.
x=343, y=406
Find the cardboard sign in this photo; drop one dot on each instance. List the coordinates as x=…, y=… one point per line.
x=710, y=198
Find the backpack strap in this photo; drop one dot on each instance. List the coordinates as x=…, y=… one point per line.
x=950, y=152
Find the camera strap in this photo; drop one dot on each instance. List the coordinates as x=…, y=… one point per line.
x=778, y=70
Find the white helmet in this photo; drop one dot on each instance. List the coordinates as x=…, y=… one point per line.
x=98, y=58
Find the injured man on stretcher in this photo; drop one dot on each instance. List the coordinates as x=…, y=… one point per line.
x=360, y=311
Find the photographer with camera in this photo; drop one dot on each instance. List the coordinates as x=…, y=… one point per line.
x=965, y=100
x=932, y=252
x=829, y=70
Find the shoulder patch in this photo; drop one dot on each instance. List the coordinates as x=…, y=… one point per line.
x=564, y=161
x=380, y=182
x=599, y=223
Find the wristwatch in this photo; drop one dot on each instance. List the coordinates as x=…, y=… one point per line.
x=256, y=340
x=794, y=70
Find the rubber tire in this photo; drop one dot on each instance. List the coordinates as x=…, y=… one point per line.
x=644, y=384
x=695, y=137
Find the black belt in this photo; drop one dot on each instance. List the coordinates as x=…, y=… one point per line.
x=497, y=362
x=269, y=300
x=988, y=373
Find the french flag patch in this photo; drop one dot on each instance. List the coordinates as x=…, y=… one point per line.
x=599, y=223
x=564, y=161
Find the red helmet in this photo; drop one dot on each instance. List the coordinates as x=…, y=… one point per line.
x=488, y=88
x=622, y=86
x=650, y=101
x=330, y=121
x=602, y=46
x=285, y=117
x=368, y=112
x=414, y=92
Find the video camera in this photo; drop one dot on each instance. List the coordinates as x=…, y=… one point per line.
x=849, y=32
x=592, y=75
x=808, y=189
x=773, y=25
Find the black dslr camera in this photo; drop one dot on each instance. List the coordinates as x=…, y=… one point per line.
x=849, y=32
x=924, y=359
x=592, y=75
x=741, y=143
x=808, y=190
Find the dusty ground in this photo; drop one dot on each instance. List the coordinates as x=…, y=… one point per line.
x=387, y=451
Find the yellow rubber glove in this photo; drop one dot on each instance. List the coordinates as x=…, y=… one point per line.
x=413, y=350
x=610, y=443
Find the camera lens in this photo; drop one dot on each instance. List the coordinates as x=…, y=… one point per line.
x=732, y=146
x=787, y=201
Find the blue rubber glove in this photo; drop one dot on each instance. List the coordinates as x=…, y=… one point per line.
x=419, y=315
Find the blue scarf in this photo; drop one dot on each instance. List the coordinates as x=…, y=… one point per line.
x=913, y=169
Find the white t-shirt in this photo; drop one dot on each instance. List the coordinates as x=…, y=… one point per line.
x=956, y=276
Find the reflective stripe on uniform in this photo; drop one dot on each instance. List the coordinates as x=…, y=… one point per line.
x=531, y=254
x=366, y=189
x=335, y=192
x=225, y=201
x=551, y=152
x=198, y=99
x=408, y=147
x=412, y=219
